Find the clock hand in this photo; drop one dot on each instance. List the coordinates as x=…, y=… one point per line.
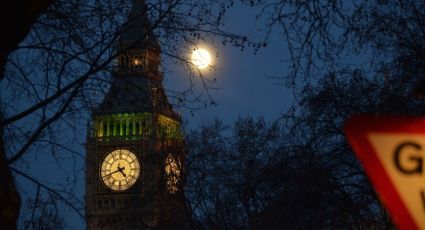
x=121, y=171
x=112, y=172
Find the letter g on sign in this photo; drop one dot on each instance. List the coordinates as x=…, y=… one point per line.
x=401, y=152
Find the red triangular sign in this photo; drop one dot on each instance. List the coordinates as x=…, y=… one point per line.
x=392, y=151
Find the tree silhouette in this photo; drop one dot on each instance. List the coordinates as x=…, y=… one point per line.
x=58, y=68
x=383, y=38
x=298, y=172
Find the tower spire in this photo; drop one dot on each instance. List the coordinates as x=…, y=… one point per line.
x=137, y=32
x=137, y=82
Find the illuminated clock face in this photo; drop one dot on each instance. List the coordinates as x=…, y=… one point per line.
x=120, y=170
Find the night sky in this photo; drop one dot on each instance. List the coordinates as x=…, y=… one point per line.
x=248, y=83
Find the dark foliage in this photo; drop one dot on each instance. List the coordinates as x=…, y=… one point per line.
x=261, y=178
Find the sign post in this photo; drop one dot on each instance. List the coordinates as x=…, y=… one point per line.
x=392, y=151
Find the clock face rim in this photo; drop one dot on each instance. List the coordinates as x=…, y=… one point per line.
x=134, y=172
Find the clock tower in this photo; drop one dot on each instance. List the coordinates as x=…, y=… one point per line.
x=135, y=148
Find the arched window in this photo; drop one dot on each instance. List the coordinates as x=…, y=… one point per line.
x=172, y=173
x=130, y=128
x=145, y=126
x=124, y=129
x=118, y=130
x=137, y=128
x=105, y=129
x=111, y=129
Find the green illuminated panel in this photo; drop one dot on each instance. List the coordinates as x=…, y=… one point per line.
x=133, y=126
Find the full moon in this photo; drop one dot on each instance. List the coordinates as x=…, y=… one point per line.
x=201, y=58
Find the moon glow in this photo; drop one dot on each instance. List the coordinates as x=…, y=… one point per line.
x=201, y=58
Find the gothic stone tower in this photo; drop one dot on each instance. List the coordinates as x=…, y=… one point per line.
x=135, y=150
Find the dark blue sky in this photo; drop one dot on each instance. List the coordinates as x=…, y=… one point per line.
x=245, y=85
